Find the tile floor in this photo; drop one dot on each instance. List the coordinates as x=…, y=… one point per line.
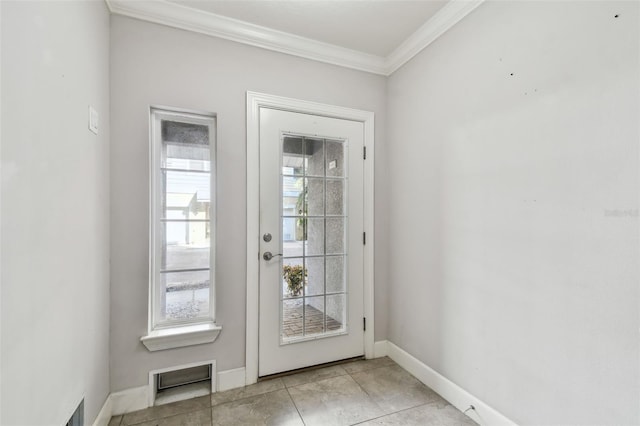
x=372, y=392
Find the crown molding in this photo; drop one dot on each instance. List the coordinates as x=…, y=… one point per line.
x=186, y=18
x=445, y=18
x=179, y=16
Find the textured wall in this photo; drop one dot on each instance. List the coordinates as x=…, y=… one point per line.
x=55, y=211
x=514, y=209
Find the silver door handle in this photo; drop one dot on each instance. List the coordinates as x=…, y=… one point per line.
x=268, y=256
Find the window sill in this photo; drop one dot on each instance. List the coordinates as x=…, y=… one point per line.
x=177, y=337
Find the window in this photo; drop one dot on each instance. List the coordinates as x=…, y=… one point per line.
x=182, y=254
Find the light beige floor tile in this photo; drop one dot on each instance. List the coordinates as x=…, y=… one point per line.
x=167, y=410
x=377, y=392
x=429, y=414
x=192, y=418
x=246, y=391
x=393, y=389
x=367, y=364
x=335, y=401
x=313, y=375
x=273, y=408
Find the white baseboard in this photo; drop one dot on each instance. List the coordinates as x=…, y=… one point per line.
x=104, y=416
x=135, y=399
x=129, y=400
x=381, y=349
x=231, y=379
x=483, y=414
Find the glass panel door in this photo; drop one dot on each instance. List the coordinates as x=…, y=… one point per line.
x=311, y=298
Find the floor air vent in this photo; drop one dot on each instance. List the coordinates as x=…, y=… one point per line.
x=180, y=382
x=77, y=419
x=185, y=376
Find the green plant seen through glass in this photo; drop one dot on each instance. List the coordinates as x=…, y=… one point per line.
x=295, y=276
x=301, y=209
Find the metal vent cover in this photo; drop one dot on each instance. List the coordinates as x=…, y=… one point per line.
x=185, y=376
x=77, y=419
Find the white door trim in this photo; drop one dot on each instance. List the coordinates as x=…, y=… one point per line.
x=254, y=102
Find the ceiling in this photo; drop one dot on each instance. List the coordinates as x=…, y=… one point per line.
x=377, y=27
x=376, y=36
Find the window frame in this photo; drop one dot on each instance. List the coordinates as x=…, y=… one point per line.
x=157, y=115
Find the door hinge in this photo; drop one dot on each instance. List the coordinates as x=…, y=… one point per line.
x=364, y=152
x=364, y=238
x=364, y=324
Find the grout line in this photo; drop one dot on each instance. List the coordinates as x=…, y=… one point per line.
x=388, y=414
x=247, y=397
x=371, y=369
x=338, y=363
x=316, y=380
x=372, y=400
x=363, y=390
x=157, y=419
x=287, y=388
x=295, y=406
x=179, y=414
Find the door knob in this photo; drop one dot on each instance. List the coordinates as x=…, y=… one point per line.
x=268, y=256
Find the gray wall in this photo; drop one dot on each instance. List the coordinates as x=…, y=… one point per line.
x=157, y=65
x=514, y=258
x=55, y=211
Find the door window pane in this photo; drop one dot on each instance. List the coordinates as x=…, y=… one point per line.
x=335, y=235
x=336, y=313
x=315, y=196
x=335, y=158
x=314, y=287
x=315, y=271
x=292, y=156
x=314, y=316
x=335, y=197
x=293, y=197
x=315, y=236
x=314, y=157
x=294, y=278
x=292, y=236
x=292, y=318
x=335, y=274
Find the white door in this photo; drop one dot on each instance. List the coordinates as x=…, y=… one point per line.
x=311, y=222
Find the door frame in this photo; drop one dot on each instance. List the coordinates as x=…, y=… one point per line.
x=255, y=101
